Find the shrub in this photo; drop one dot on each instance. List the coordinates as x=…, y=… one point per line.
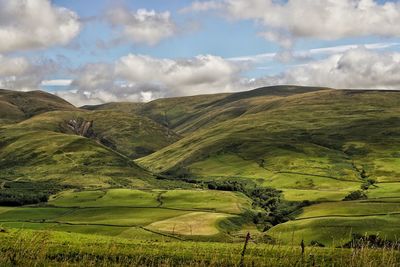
x=370, y=241
x=355, y=195
x=368, y=183
x=315, y=243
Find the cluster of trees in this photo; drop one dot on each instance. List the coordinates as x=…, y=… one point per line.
x=15, y=198
x=273, y=209
x=368, y=183
x=356, y=195
x=227, y=186
x=27, y=192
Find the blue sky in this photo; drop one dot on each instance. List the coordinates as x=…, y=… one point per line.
x=105, y=39
x=215, y=35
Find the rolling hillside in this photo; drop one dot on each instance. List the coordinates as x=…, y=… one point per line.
x=37, y=142
x=17, y=106
x=188, y=114
x=330, y=133
x=130, y=134
x=40, y=155
x=317, y=146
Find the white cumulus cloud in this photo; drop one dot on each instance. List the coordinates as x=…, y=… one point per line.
x=22, y=74
x=324, y=19
x=358, y=68
x=142, y=78
x=142, y=26
x=31, y=24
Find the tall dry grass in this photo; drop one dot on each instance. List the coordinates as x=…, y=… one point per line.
x=41, y=248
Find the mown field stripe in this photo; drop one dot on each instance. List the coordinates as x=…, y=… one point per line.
x=94, y=224
x=136, y=207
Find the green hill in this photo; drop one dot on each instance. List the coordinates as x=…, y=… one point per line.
x=40, y=155
x=129, y=134
x=317, y=146
x=38, y=144
x=44, y=147
x=16, y=106
x=332, y=134
x=186, y=115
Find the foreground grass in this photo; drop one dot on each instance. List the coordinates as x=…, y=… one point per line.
x=44, y=248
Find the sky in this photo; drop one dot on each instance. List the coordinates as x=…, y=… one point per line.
x=98, y=51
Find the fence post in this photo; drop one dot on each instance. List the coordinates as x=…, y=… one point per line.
x=244, y=250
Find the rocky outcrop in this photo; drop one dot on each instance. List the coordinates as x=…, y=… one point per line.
x=81, y=127
x=84, y=128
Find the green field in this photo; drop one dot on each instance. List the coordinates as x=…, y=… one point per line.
x=350, y=208
x=332, y=223
x=335, y=231
x=130, y=213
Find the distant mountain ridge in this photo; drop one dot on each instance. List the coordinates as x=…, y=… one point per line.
x=16, y=106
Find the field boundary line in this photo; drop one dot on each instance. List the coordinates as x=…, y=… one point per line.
x=348, y=216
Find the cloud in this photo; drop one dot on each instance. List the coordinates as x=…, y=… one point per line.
x=358, y=68
x=57, y=82
x=201, y=74
x=19, y=73
x=324, y=51
x=142, y=26
x=142, y=78
x=32, y=24
x=198, y=6
x=284, y=21
x=11, y=66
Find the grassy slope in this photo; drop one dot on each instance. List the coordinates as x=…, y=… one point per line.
x=186, y=115
x=327, y=134
x=34, y=149
x=16, y=106
x=42, y=148
x=130, y=134
x=68, y=159
x=35, y=143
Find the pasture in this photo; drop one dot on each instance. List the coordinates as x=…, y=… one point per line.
x=130, y=213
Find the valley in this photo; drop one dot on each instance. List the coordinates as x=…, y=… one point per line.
x=286, y=164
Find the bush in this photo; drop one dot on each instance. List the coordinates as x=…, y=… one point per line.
x=370, y=241
x=368, y=183
x=355, y=195
x=315, y=243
